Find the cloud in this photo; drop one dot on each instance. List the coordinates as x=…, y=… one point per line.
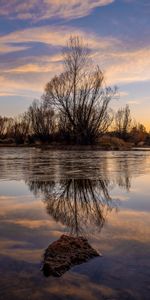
x=45, y=9
x=133, y=102
x=9, y=49
x=47, y=66
x=123, y=94
x=55, y=36
x=130, y=66
x=28, y=71
x=31, y=72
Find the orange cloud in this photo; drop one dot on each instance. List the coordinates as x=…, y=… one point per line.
x=27, y=75
x=121, y=66
x=8, y=49
x=26, y=72
x=57, y=36
x=126, y=66
x=45, y=9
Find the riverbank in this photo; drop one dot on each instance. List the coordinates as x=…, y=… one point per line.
x=62, y=147
x=104, y=144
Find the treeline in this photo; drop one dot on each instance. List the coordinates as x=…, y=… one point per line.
x=41, y=124
x=75, y=107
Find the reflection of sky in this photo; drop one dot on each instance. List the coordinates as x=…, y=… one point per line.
x=13, y=188
x=26, y=230
x=32, y=34
x=138, y=197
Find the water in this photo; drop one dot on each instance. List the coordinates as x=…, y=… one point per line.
x=103, y=196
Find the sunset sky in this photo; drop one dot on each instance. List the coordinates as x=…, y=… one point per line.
x=33, y=32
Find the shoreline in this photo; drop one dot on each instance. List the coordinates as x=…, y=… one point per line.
x=63, y=147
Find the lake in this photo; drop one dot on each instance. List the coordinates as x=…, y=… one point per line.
x=101, y=195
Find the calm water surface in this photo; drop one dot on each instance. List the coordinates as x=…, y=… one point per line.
x=104, y=196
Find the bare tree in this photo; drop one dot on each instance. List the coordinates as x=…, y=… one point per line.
x=20, y=128
x=138, y=133
x=79, y=96
x=6, y=127
x=123, y=122
x=2, y=126
x=41, y=119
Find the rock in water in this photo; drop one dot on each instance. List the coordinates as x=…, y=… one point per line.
x=65, y=253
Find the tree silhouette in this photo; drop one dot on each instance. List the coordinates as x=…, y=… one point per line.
x=78, y=94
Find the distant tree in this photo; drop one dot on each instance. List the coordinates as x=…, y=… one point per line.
x=123, y=121
x=138, y=133
x=78, y=94
x=2, y=126
x=5, y=127
x=19, y=129
x=41, y=119
x=148, y=139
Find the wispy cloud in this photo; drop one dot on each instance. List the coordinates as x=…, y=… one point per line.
x=133, y=102
x=45, y=9
x=5, y=48
x=130, y=66
x=55, y=36
x=30, y=72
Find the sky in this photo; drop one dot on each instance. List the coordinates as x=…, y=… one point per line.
x=34, y=32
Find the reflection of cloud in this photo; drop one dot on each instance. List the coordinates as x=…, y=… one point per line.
x=36, y=224
x=124, y=243
x=130, y=225
x=24, y=227
x=21, y=251
x=76, y=285
x=24, y=280
x=46, y=9
x=28, y=255
x=25, y=205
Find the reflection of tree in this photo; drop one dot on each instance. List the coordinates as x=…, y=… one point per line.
x=126, y=167
x=37, y=165
x=124, y=175
x=76, y=203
